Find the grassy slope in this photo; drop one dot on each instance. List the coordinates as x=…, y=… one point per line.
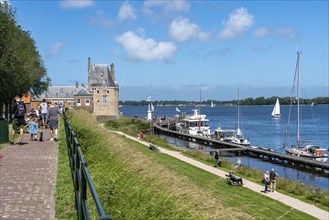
x=65, y=207
x=295, y=189
x=136, y=183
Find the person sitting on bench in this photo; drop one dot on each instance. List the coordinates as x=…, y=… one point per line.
x=234, y=179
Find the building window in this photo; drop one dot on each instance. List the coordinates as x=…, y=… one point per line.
x=98, y=91
x=87, y=102
x=78, y=102
x=69, y=103
x=108, y=91
x=104, y=99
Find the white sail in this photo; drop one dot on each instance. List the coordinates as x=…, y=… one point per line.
x=276, y=109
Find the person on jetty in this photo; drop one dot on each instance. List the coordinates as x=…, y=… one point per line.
x=273, y=176
x=266, y=181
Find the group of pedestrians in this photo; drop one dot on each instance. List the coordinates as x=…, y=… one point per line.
x=270, y=179
x=46, y=116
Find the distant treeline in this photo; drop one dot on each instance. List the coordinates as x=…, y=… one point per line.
x=247, y=101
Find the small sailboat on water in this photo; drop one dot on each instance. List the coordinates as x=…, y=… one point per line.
x=212, y=104
x=311, y=151
x=276, y=110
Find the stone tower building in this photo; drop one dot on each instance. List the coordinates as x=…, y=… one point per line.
x=105, y=90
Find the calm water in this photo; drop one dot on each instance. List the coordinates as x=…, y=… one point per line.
x=262, y=130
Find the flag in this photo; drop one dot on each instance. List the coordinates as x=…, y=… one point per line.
x=177, y=110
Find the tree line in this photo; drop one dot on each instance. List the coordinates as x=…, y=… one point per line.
x=21, y=66
x=246, y=101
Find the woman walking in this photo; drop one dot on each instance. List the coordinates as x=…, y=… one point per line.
x=266, y=181
x=52, y=118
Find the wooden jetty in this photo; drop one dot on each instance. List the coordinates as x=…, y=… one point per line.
x=249, y=151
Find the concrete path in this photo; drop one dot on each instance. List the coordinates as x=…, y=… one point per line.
x=27, y=179
x=292, y=202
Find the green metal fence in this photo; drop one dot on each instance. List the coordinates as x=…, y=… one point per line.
x=81, y=178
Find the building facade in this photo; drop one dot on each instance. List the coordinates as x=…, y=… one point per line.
x=105, y=90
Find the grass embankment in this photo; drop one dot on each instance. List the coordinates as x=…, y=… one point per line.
x=134, y=182
x=65, y=201
x=295, y=189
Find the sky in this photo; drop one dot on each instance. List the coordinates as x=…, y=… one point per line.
x=177, y=50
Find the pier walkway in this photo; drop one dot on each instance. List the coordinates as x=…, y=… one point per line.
x=27, y=179
x=292, y=202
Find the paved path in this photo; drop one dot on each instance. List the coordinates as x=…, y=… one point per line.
x=292, y=202
x=27, y=179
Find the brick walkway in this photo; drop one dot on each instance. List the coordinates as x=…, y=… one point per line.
x=27, y=179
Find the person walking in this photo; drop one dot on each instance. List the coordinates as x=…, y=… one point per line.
x=19, y=111
x=52, y=119
x=266, y=181
x=273, y=176
x=43, y=107
x=33, y=129
x=216, y=157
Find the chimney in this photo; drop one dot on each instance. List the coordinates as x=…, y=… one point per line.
x=112, y=71
x=76, y=84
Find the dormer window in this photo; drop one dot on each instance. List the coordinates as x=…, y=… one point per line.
x=104, y=85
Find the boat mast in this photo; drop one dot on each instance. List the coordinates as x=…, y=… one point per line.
x=298, y=93
x=238, y=109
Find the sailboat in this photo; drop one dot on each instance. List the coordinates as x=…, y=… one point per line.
x=230, y=135
x=212, y=104
x=276, y=110
x=310, y=151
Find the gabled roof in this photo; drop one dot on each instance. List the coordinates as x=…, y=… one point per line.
x=61, y=92
x=83, y=92
x=100, y=75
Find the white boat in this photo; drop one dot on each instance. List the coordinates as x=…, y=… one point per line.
x=230, y=136
x=276, y=110
x=195, y=124
x=212, y=104
x=311, y=151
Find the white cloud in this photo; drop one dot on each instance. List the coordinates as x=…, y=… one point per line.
x=141, y=49
x=75, y=4
x=181, y=29
x=167, y=6
x=127, y=12
x=101, y=20
x=54, y=49
x=284, y=32
x=238, y=22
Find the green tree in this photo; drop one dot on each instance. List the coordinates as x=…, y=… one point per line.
x=21, y=66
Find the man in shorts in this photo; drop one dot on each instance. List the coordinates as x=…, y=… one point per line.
x=19, y=111
x=44, y=111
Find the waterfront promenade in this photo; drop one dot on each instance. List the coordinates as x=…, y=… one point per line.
x=27, y=179
x=289, y=201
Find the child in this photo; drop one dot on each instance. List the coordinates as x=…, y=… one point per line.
x=33, y=129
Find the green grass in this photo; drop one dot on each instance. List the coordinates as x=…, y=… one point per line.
x=134, y=182
x=65, y=201
x=306, y=193
x=295, y=189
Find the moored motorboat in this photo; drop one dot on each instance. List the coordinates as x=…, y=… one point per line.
x=195, y=124
x=230, y=136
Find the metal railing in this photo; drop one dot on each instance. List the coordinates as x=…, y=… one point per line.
x=80, y=176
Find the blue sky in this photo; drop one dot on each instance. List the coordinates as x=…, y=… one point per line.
x=171, y=50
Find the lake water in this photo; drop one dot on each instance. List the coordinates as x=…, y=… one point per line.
x=258, y=125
